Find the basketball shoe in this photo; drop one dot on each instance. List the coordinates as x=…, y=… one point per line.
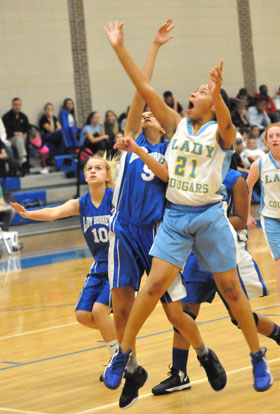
x=262, y=377
x=215, y=372
x=176, y=381
x=133, y=382
x=113, y=373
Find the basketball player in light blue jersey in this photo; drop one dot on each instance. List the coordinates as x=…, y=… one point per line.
x=139, y=199
x=194, y=218
x=267, y=170
x=94, y=305
x=201, y=286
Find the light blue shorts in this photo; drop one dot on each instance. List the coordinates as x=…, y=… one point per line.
x=271, y=228
x=205, y=230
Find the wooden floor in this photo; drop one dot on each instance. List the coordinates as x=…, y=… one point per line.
x=51, y=364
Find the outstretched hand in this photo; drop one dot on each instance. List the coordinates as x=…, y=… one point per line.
x=216, y=79
x=19, y=209
x=162, y=35
x=126, y=144
x=114, y=33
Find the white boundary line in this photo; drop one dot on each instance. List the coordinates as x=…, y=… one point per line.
x=3, y=338
x=114, y=404
x=13, y=410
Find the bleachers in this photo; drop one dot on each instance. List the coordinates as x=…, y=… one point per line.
x=37, y=190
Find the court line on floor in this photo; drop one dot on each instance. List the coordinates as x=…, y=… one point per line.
x=76, y=323
x=38, y=330
x=200, y=381
x=13, y=410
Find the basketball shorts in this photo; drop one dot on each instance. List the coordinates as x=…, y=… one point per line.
x=96, y=289
x=271, y=227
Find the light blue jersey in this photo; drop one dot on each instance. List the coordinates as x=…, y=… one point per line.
x=95, y=227
x=139, y=195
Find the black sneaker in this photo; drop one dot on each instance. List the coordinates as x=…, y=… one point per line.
x=177, y=381
x=216, y=374
x=132, y=384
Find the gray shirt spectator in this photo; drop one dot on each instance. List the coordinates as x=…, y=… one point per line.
x=256, y=115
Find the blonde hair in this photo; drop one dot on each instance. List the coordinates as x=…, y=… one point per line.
x=277, y=124
x=109, y=165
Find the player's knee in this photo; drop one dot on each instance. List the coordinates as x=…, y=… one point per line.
x=155, y=289
x=230, y=291
x=85, y=318
x=121, y=315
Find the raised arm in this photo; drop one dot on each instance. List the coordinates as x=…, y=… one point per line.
x=67, y=209
x=129, y=145
x=226, y=129
x=166, y=116
x=252, y=178
x=133, y=123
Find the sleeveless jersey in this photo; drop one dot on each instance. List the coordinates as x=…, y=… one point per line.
x=95, y=226
x=196, y=164
x=139, y=196
x=269, y=172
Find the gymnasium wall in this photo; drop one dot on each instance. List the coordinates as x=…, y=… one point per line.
x=265, y=18
x=205, y=32
x=36, y=55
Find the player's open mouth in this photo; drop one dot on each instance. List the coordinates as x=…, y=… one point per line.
x=190, y=105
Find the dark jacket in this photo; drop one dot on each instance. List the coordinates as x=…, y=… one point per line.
x=15, y=122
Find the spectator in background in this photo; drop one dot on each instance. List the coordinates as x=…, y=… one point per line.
x=68, y=122
x=93, y=135
x=256, y=115
x=269, y=104
x=251, y=153
x=238, y=115
x=51, y=131
x=247, y=99
x=17, y=126
x=6, y=212
x=42, y=150
x=13, y=166
x=111, y=126
x=171, y=101
x=276, y=100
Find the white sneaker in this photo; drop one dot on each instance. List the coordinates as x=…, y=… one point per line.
x=44, y=171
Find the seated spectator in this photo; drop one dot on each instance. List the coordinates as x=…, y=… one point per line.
x=238, y=115
x=93, y=135
x=244, y=96
x=269, y=104
x=251, y=153
x=111, y=126
x=256, y=115
x=6, y=212
x=42, y=150
x=244, y=132
x=52, y=132
x=236, y=160
x=17, y=126
x=122, y=119
x=13, y=165
x=171, y=101
x=276, y=100
x=68, y=122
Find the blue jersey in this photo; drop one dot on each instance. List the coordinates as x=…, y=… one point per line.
x=95, y=225
x=139, y=195
x=229, y=181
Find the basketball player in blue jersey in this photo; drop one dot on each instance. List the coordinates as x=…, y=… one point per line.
x=194, y=218
x=139, y=199
x=201, y=286
x=93, y=308
x=267, y=170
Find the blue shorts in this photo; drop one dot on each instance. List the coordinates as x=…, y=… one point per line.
x=271, y=227
x=129, y=247
x=201, y=286
x=205, y=230
x=96, y=289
